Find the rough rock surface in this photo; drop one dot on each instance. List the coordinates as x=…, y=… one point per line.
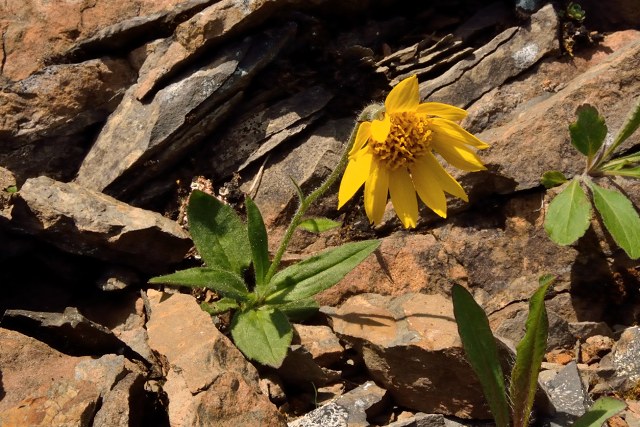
x=209, y=382
x=410, y=345
x=87, y=222
x=43, y=387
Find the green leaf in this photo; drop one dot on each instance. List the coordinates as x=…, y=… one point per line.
x=298, y=189
x=263, y=335
x=529, y=354
x=589, y=131
x=630, y=126
x=568, y=215
x=299, y=310
x=225, y=282
x=621, y=162
x=628, y=172
x=552, y=179
x=221, y=306
x=318, y=225
x=601, y=410
x=259, y=242
x=11, y=189
x=620, y=218
x=218, y=233
x=319, y=272
x=480, y=347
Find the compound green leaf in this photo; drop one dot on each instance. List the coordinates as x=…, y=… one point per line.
x=529, y=354
x=258, y=241
x=263, y=335
x=225, y=282
x=589, y=131
x=619, y=217
x=319, y=272
x=218, y=233
x=568, y=215
x=318, y=225
x=552, y=179
x=601, y=410
x=480, y=347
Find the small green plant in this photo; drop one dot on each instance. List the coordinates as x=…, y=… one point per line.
x=575, y=12
x=569, y=214
x=513, y=407
x=238, y=268
x=11, y=189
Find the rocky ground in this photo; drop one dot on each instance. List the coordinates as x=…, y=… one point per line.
x=113, y=111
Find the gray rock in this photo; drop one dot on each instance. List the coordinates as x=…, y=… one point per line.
x=300, y=368
x=625, y=360
x=350, y=409
x=559, y=334
x=255, y=134
x=122, y=403
x=507, y=55
x=141, y=139
x=209, y=382
x=584, y=330
x=422, y=420
x=86, y=222
x=568, y=395
x=44, y=116
x=308, y=164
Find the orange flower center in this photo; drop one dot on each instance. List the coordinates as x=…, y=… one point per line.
x=409, y=138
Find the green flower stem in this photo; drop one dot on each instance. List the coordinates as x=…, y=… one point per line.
x=307, y=201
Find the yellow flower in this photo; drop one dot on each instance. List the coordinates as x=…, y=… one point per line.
x=393, y=154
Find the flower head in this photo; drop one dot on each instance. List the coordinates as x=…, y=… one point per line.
x=394, y=155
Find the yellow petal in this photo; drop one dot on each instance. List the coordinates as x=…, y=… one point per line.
x=404, y=96
x=364, y=132
x=403, y=197
x=432, y=168
x=439, y=109
x=354, y=176
x=451, y=130
x=375, y=192
x=380, y=128
x=457, y=154
x=429, y=190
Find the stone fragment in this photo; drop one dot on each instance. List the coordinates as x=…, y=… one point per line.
x=209, y=382
x=199, y=32
x=34, y=32
x=258, y=132
x=308, y=164
x=43, y=387
x=625, y=360
x=517, y=161
x=351, y=409
x=86, y=222
x=507, y=55
x=300, y=368
x=584, y=330
x=568, y=395
x=320, y=341
x=594, y=348
x=121, y=404
x=43, y=117
x=7, y=187
x=422, y=420
x=142, y=139
x=70, y=331
x=558, y=337
x=410, y=345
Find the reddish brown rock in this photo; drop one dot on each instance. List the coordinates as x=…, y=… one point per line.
x=42, y=387
x=410, y=346
x=35, y=30
x=209, y=382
